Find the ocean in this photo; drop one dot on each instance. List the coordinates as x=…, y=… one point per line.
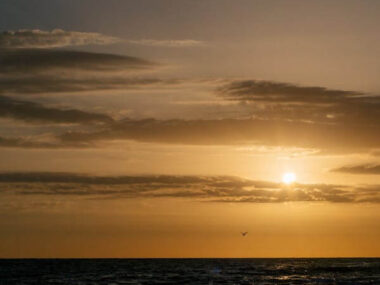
x=191, y=271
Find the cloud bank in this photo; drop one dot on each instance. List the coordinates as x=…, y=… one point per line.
x=328, y=138
x=200, y=188
x=272, y=113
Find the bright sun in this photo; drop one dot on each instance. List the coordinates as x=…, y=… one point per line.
x=289, y=177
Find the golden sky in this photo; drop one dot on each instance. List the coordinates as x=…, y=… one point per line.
x=166, y=128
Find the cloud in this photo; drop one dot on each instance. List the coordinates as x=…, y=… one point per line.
x=34, y=71
x=271, y=100
x=60, y=38
x=201, y=188
x=52, y=39
x=33, y=143
x=25, y=61
x=20, y=142
x=278, y=92
x=267, y=113
x=329, y=138
x=53, y=84
x=321, y=138
x=168, y=43
x=359, y=169
x=37, y=113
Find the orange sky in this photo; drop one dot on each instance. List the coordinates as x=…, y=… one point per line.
x=163, y=129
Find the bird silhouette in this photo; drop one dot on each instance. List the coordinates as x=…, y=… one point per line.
x=244, y=234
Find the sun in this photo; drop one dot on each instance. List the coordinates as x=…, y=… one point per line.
x=289, y=177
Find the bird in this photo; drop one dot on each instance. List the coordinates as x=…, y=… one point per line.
x=244, y=234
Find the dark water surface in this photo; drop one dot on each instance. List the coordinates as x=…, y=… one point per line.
x=190, y=271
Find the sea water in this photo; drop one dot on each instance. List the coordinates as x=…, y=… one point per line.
x=190, y=271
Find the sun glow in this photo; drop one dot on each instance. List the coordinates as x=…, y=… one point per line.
x=289, y=178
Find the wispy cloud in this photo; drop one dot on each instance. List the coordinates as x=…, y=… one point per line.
x=359, y=169
x=201, y=188
x=30, y=143
x=52, y=39
x=37, y=113
x=168, y=43
x=59, y=38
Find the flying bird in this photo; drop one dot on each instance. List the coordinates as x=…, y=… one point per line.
x=244, y=234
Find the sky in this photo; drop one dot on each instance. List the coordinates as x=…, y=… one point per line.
x=166, y=128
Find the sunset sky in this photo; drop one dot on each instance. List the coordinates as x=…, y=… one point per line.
x=166, y=128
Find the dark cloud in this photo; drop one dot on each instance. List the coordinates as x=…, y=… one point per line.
x=62, y=177
x=280, y=114
x=272, y=100
x=27, y=143
x=201, y=188
x=25, y=61
x=359, y=169
x=35, y=112
x=49, y=84
x=51, y=39
x=328, y=137
x=34, y=71
x=269, y=91
x=22, y=143
x=233, y=132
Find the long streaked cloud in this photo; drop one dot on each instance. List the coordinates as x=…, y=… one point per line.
x=52, y=39
x=201, y=188
x=328, y=138
x=35, y=71
x=51, y=85
x=168, y=43
x=60, y=38
x=279, y=92
x=322, y=138
x=22, y=143
x=37, y=113
x=270, y=99
x=26, y=61
x=30, y=143
x=359, y=169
